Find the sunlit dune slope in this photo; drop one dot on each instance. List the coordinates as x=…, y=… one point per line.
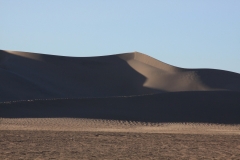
x=37, y=76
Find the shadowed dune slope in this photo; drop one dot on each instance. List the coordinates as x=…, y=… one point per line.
x=204, y=107
x=27, y=76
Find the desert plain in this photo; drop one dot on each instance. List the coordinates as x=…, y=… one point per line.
x=123, y=106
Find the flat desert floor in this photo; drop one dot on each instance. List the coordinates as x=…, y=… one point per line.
x=69, y=138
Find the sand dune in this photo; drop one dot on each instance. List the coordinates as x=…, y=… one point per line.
x=38, y=76
x=129, y=86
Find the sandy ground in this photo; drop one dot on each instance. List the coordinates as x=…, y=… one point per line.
x=116, y=145
x=64, y=138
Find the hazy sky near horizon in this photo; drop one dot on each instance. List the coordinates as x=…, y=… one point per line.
x=184, y=33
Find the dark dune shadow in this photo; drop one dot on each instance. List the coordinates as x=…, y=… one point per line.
x=219, y=79
x=206, y=107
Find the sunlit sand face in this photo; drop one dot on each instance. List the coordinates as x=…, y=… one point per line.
x=164, y=77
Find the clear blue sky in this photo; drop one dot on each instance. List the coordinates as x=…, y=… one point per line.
x=184, y=33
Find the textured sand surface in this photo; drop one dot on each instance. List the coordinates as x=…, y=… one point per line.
x=124, y=106
x=96, y=125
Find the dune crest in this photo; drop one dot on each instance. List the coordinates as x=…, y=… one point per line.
x=143, y=58
x=33, y=56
